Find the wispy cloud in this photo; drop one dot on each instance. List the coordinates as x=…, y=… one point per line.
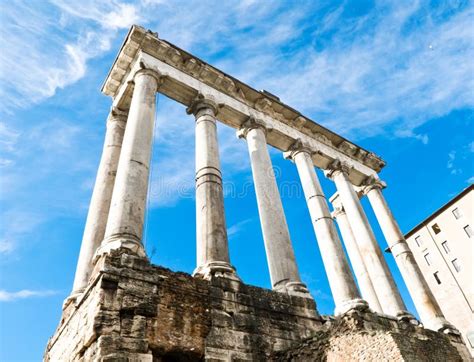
x=387, y=70
x=6, y=246
x=16, y=224
x=6, y=296
x=237, y=227
x=450, y=164
x=59, y=45
x=457, y=157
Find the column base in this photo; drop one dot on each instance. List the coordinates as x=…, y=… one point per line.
x=349, y=305
x=119, y=242
x=442, y=325
x=73, y=298
x=405, y=316
x=292, y=288
x=216, y=269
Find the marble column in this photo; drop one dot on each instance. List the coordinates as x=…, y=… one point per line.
x=100, y=202
x=343, y=287
x=387, y=292
x=281, y=260
x=211, y=233
x=127, y=209
x=425, y=303
x=365, y=283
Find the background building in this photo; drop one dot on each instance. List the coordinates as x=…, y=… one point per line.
x=443, y=248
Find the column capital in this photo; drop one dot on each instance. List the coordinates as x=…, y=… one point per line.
x=150, y=72
x=335, y=168
x=202, y=102
x=338, y=211
x=371, y=183
x=117, y=115
x=252, y=123
x=297, y=147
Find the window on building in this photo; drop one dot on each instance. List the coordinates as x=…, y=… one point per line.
x=436, y=228
x=457, y=213
x=456, y=264
x=428, y=258
x=419, y=241
x=468, y=230
x=445, y=246
x=436, y=276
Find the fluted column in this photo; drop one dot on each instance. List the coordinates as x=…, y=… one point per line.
x=365, y=284
x=284, y=273
x=100, y=202
x=127, y=209
x=425, y=303
x=387, y=292
x=343, y=287
x=211, y=233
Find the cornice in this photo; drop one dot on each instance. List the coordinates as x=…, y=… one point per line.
x=139, y=39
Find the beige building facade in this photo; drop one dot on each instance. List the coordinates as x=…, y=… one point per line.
x=443, y=246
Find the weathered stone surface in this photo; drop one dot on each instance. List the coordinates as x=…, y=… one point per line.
x=368, y=337
x=137, y=311
x=134, y=311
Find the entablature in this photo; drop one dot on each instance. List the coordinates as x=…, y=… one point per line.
x=185, y=76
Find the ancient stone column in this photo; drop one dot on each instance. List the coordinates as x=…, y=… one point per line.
x=281, y=260
x=127, y=209
x=211, y=233
x=387, y=292
x=343, y=287
x=100, y=201
x=425, y=303
x=365, y=283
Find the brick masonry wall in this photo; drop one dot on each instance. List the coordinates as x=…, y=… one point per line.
x=134, y=311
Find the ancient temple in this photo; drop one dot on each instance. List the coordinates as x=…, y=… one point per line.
x=122, y=308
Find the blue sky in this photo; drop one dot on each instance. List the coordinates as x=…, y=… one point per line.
x=396, y=77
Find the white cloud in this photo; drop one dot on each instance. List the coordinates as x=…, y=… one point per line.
x=8, y=138
x=20, y=224
x=237, y=227
x=450, y=164
x=6, y=296
x=46, y=53
x=6, y=246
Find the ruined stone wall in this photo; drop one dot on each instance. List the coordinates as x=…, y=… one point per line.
x=133, y=311
x=136, y=310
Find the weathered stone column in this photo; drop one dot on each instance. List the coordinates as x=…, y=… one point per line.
x=343, y=287
x=365, y=284
x=387, y=292
x=127, y=209
x=100, y=201
x=281, y=260
x=211, y=233
x=426, y=305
